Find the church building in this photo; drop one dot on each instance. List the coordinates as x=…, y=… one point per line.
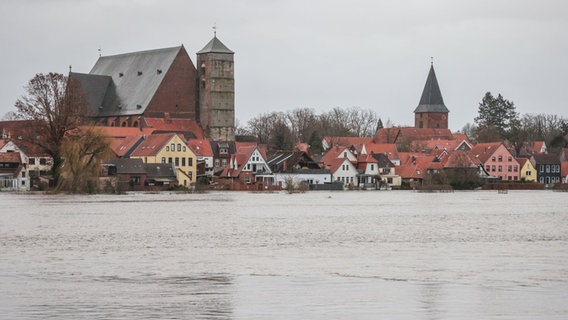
x=431, y=111
x=430, y=118
x=141, y=88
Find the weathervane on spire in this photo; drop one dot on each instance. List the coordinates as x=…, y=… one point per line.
x=215, y=29
x=432, y=61
x=100, y=51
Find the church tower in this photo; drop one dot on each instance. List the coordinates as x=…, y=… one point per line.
x=215, y=71
x=431, y=111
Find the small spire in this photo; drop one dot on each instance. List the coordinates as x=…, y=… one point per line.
x=215, y=30
x=69, y=68
x=100, y=51
x=432, y=61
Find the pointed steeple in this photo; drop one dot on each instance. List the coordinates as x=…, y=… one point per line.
x=215, y=46
x=431, y=100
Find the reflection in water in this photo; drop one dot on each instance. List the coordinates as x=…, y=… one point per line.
x=319, y=255
x=145, y=297
x=431, y=294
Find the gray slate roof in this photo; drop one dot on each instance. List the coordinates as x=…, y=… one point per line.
x=161, y=171
x=215, y=46
x=431, y=100
x=95, y=88
x=135, y=79
x=128, y=166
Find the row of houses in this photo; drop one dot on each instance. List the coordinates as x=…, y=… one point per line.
x=160, y=157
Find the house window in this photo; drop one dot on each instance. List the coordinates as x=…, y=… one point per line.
x=493, y=159
x=190, y=162
x=516, y=168
x=183, y=162
x=170, y=160
x=31, y=161
x=163, y=159
x=493, y=168
x=177, y=162
x=528, y=173
x=547, y=168
x=217, y=163
x=173, y=147
x=223, y=151
x=515, y=178
x=510, y=159
x=372, y=167
x=223, y=162
x=43, y=161
x=541, y=167
x=247, y=179
x=135, y=180
x=487, y=168
x=500, y=168
x=509, y=168
x=500, y=159
x=344, y=154
x=167, y=148
x=179, y=147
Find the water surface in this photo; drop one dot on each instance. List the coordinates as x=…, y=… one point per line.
x=318, y=255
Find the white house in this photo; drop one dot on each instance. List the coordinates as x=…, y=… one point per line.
x=344, y=171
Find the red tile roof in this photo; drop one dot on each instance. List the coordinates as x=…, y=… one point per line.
x=336, y=163
x=176, y=125
x=122, y=132
x=201, y=147
x=458, y=159
x=384, y=148
x=10, y=157
x=397, y=135
x=483, y=151
x=332, y=154
x=152, y=144
x=120, y=146
x=241, y=157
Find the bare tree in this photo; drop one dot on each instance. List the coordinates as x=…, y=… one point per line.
x=56, y=105
x=303, y=122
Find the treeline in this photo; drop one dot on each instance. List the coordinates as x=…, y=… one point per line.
x=281, y=130
x=498, y=120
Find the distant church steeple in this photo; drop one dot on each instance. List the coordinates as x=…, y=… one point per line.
x=431, y=111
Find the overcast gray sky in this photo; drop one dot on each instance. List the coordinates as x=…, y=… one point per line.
x=319, y=54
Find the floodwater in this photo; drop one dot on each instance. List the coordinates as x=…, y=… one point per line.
x=318, y=255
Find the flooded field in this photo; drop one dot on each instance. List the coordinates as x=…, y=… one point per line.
x=318, y=255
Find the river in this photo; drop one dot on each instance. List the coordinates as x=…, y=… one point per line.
x=317, y=255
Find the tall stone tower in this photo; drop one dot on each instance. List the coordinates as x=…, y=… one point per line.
x=216, y=74
x=431, y=111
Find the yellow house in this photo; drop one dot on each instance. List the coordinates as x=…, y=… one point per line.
x=169, y=148
x=528, y=172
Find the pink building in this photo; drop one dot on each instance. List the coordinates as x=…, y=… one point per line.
x=497, y=160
